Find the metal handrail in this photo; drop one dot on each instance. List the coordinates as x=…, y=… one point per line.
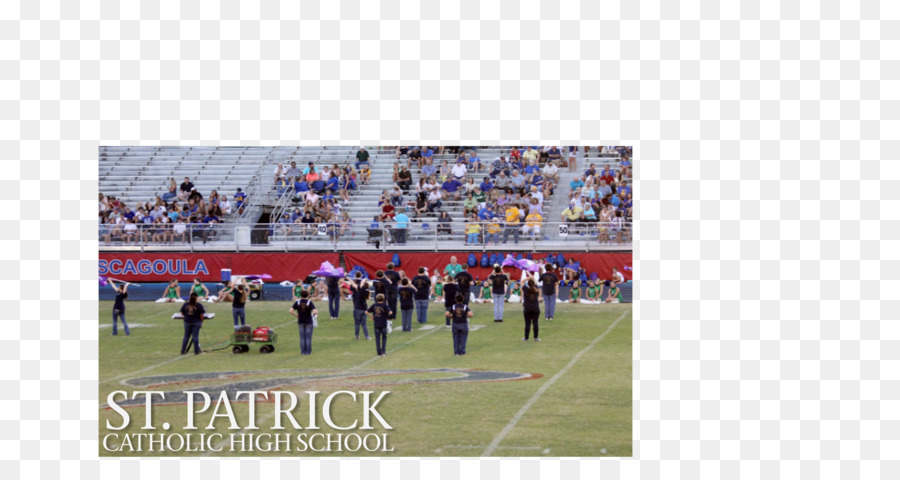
x=426, y=235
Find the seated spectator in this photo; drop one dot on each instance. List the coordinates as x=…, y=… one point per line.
x=444, y=172
x=502, y=181
x=572, y=213
x=415, y=156
x=429, y=170
x=365, y=175
x=515, y=153
x=292, y=173
x=179, y=230
x=185, y=190
x=309, y=223
x=473, y=229
x=171, y=191
x=576, y=183
x=317, y=186
x=451, y=188
x=493, y=231
x=480, y=197
x=587, y=211
x=333, y=184
x=458, y=171
x=625, y=166
x=312, y=198
x=603, y=190
x=591, y=171
x=470, y=205
x=240, y=200
x=499, y=165
x=474, y=162
x=402, y=151
x=443, y=224
x=531, y=170
x=551, y=172
x=532, y=224
x=554, y=155
x=428, y=155
x=531, y=154
x=396, y=196
x=421, y=204
x=362, y=158
x=486, y=184
x=535, y=206
x=434, y=201
x=404, y=178
x=517, y=182
x=486, y=212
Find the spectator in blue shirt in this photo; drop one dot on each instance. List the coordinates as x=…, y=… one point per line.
x=429, y=170
x=576, y=184
x=239, y=199
x=401, y=224
x=486, y=213
x=451, y=187
x=332, y=184
x=486, y=185
x=428, y=154
x=474, y=162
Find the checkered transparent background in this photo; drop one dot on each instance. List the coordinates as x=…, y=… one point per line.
x=761, y=143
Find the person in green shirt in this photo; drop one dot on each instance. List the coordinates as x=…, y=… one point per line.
x=199, y=289
x=438, y=293
x=480, y=197
x=575, y=294
x=299, y=287
x=486, y=292
x=470, y=205
x=614, y=295
x=173, y=291
x=593, y=293
x=516, y=295
x=452, y=268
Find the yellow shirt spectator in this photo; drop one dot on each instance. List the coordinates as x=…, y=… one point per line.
x=494, y=227
x=473, y=227
x=512, y=215
x=533, y=219
x=572, y=213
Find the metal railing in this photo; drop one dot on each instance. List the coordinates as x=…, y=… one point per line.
x=427, y=234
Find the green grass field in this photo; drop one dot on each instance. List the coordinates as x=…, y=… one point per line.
x=586, y=410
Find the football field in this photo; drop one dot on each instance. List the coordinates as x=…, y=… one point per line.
x=568, y=395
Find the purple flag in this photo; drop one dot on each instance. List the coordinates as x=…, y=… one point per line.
x=264, y=276
x=103, y=281
x=328, y=270
x=523, y=264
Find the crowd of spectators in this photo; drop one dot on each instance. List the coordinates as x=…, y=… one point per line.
x=601, y=200
x=178, y=215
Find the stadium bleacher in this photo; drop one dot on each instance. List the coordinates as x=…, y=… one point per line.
x=139, y=175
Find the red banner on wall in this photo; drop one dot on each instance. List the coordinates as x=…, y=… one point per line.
x=162, y=267
x=599, y=263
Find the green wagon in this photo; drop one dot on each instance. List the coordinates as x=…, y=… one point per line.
x=240, y=342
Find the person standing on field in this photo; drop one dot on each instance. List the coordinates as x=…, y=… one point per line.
x=119, y=307
x=459, y=313
x=464, y=280
x=334, y=297
x=531, y=296
x=380, y=313
x=192, y=312
x=422, y=284
x=304, y=310
x=550, y=290
x=406, y=294
x=360, y=289
x=392, y=289
x=499, y=285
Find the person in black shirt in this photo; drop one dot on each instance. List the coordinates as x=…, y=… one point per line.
x=334, y=296
x=499, y=285
x=360, y=289
x=464, y=281
x=460, y=314
x=392, y=289
x=406, y=294
x=451, y=289
x=119, y=307
x=380, y=312
x=380, y=284
x=531, y=297
x=422, y=284
x=550, y=290
x=304, y=310
x=237, y=304
x=193, y=320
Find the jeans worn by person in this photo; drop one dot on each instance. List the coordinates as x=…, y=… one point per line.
x=514, y=229
x=334, y=303
x=117, y=314
x=191, y=332
x=392, y=302
x=306, y=332
x=359, y=320
x=422, y=310
x=498, y=306
x=238, y=314
x=460, y=335
x=380, y=340
x=549, y=305
x=406, y=315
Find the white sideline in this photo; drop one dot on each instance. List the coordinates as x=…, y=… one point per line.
x=534, y=398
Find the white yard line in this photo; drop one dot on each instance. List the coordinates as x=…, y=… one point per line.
x=265, y=418
x=537, y=395
x=174, y=359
